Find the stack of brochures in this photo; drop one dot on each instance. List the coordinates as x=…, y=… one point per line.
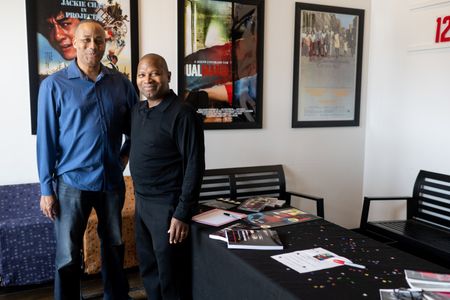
x=428, y=281
x=412, y=294
x=435, y=286
x=423, y=285
x=402, y=293
x=434, y=295
x=258, y=239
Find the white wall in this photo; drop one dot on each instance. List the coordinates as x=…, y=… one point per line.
x=324, y=161
x=17, y=146
x=408, y=111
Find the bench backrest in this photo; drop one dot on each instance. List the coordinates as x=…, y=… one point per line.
x=18, y=201
x=239, y=183
x=431, y=199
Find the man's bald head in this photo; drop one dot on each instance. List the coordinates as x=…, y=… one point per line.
x=156, y=59
x=89, y=23
x=153, y=77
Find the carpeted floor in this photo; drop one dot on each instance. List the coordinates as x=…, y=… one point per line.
x=91, y=289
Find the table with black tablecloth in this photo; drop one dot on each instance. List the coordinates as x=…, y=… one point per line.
x=221, y=273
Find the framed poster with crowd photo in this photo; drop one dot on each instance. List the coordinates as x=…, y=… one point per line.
x=220, y=61
x=327, y=66
x=51, y=27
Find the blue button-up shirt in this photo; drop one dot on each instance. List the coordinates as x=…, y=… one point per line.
x=80, y=128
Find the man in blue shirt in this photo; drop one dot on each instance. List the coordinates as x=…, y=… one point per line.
x=83, y=112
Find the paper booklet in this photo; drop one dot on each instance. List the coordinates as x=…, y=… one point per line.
x=217, y=217
x=258, y=239
x=221, y=236
x=428, y=281
x=256, y=204
x=395, y=294
x=432, y=295
x=218, y=204
x=279, y=217
x=402, y=293
x=313, y=260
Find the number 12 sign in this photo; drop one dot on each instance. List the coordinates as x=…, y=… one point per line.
x=442, y=27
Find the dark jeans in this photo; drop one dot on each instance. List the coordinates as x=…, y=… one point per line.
x=165, y=268
x=70, y=224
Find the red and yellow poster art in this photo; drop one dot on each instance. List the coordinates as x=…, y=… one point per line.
x=221, y=61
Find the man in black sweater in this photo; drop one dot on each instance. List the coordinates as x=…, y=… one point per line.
x=167, y=162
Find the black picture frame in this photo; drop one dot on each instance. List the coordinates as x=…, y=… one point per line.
x=327, y=66
x=120, y=18
x=222, y=76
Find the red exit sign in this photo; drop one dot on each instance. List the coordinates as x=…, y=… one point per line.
x=442, y=28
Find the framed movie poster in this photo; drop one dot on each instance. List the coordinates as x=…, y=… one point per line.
x=51, y=26
x=220, y=60
x=327, y=66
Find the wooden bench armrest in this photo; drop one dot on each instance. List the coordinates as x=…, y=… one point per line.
x=366, y=206
x=319, y=201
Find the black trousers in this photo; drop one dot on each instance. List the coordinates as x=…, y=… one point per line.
x=165, y=268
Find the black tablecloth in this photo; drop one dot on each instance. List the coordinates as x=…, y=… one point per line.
x=221, y=273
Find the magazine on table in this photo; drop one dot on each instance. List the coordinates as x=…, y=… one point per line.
x=256, y=239
x=413, y=294
x=218, y=204
x=275, y=202
x=256, y=204
x=428, y=281
x=402, y=293
x=279, y=217
x=433, y=295
x=220, y=234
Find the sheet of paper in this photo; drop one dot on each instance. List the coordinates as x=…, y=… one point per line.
x=308, y=260
x=217, y=217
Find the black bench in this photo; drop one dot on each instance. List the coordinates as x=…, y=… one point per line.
x=245, y=182
x=426, y=230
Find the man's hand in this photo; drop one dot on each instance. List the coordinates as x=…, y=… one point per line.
x=178, y=231
x=49, y=206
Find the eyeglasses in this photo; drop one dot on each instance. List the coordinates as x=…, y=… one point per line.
x=408, y=294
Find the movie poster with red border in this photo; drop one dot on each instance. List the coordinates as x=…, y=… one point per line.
x=220, y=61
